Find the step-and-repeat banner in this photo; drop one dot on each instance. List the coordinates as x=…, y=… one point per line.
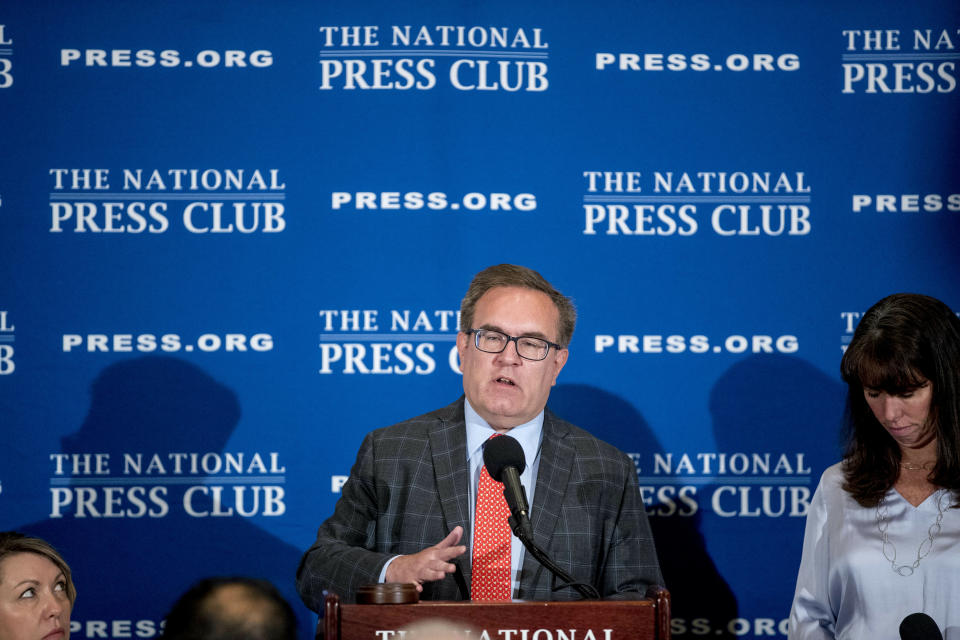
x=234, y=237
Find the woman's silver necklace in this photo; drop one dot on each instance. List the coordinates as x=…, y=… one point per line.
x=926, y=466
x=925, y=547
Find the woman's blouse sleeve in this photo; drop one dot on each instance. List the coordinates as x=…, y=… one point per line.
x=812, y=617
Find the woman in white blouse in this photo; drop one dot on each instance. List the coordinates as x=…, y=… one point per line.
x=882, y=539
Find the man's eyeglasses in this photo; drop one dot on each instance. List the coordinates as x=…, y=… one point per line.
x=528, y=348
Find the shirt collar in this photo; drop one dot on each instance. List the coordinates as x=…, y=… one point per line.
x=527, y=434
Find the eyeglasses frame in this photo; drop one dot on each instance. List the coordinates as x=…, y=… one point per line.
x=514, y=340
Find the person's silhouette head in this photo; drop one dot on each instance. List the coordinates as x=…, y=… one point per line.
x=231, y=609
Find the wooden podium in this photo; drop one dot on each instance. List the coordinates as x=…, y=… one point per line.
x=646, y=619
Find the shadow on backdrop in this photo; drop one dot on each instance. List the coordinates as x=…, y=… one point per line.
x=696, y=587
x=130, y=567
x=773, y=404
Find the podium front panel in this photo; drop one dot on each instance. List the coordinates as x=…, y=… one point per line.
x=582, y=620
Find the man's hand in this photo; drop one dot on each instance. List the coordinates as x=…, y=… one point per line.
x=433, y=563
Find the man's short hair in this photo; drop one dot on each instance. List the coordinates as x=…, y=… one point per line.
x=511, y=275
x=231, y=608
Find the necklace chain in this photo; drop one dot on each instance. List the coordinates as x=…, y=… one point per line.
x=926, y=466
x=925, y=546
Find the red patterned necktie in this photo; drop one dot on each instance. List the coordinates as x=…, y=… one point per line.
x=490, y=572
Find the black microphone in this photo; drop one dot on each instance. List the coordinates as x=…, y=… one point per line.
x=919, y=626
x=503, y=457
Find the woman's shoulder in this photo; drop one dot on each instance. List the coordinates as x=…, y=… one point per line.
x=832, y=479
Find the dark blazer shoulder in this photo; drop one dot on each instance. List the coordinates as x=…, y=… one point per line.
x=423, y=423
x=420, y=430
x=585, y=444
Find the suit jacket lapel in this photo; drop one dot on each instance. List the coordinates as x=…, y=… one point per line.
x=556, y=461
x=448, y=444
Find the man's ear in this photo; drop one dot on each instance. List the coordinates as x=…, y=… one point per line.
x=559, y=359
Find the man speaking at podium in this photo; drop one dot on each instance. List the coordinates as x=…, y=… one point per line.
x=419, y=506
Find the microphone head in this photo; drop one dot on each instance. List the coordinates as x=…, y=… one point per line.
x=502, y=452
x=919, y=626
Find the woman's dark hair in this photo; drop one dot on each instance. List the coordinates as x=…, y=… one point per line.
x=901, y=342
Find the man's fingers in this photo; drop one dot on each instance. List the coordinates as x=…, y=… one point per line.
x=452, y=538
x=441, y=569
x=438, y=572
x=450, y=552
x=433, y=563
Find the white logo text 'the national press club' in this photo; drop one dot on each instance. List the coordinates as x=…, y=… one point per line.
x=6, y=65
x=397, y=342
x=896, y=61
x=672, y=203
x=153, y=201
x=400, y=58
x=738, y=484
x=7, y=338
x=151, y=485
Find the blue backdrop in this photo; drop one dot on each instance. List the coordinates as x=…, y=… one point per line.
x=234, y=237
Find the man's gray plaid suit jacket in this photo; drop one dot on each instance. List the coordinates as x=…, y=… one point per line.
x=408, y=490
